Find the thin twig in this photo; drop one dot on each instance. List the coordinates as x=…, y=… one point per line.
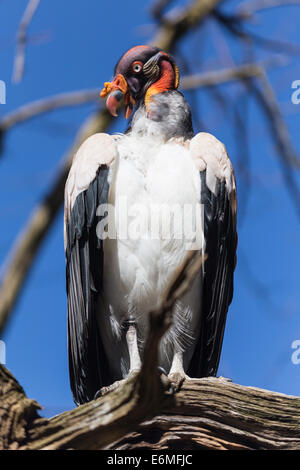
x=234, y=24
x=280, y=130
x=19, y=62
x=247, y=9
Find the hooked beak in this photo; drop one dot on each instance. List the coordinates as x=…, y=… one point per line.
x=117, y=92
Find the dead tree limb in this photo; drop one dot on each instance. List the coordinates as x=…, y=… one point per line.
x=209, y=413
x=206, y=413
x=216, y=414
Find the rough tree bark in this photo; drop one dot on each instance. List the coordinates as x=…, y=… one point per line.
x=143, y=413
x=209, y=413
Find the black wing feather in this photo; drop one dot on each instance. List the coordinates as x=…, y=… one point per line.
x=88, y=365
x=221, y=241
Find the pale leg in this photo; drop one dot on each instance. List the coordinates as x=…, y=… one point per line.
x=177, y=374
x=134, y=355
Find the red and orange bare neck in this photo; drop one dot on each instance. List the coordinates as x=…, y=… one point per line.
x=169, y=80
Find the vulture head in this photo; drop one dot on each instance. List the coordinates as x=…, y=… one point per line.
x=141, y=73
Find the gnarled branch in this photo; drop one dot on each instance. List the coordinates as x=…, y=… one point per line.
x=206, y=413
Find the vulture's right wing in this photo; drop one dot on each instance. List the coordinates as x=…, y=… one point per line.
x=218, y=196
x=86, y=188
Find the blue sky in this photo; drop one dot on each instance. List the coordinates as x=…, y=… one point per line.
x=75, y=45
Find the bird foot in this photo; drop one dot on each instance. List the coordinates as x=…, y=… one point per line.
x=177, y=379
x=165, y=381
x=168, y=385
x=110, y=388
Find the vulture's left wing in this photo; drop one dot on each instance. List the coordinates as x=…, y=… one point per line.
x=86, y=188
x=218, y=196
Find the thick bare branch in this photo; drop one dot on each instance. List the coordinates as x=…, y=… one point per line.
x=19, y=62
x=171, y=31
x=216, y=414
x=209, y=413
x=206, y=413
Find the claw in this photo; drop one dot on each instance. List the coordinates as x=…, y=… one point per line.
x=162, y=370
x=177, y=380
x=165, y=380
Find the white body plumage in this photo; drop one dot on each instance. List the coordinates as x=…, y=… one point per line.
x=149, y=174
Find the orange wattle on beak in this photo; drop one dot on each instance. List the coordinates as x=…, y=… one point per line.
x=117, y=92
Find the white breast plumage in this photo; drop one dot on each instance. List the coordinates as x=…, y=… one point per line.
x=139, y=266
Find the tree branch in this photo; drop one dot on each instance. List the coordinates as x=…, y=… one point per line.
x=19, y=62
x=171, y=31
x=287, y=155
x=216, y=414
x=225, y=75
x=45, y=105
x=247, y=9
x=266, y=97
x=209, y=413
x=206, y=413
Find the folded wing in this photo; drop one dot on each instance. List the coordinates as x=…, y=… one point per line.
x=86, y=188
x=218, y=196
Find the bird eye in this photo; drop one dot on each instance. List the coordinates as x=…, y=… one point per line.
x=137, y=67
